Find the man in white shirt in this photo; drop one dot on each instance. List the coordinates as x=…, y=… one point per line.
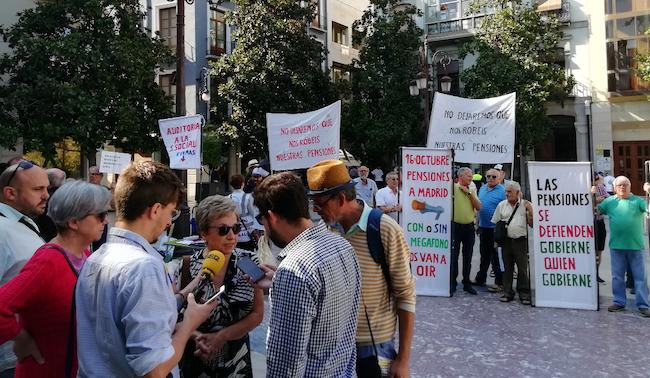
x=366, y=188
x=387, y=199
x=23, y=195
x=378, y=176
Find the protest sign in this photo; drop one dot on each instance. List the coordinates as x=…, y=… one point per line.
x=563, y=235
x=182, y=137
x=302, y=140
x=426, y=208
x=478, y=130
x=113, y=162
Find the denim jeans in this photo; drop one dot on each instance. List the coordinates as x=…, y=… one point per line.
x=635, y=260
x=488, y=256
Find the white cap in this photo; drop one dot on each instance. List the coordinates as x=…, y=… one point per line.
x=499, y=167
x=252, y=162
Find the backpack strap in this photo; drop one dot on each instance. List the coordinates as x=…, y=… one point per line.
x=376, y=246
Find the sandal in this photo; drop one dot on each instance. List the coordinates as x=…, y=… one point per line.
x=506, y=298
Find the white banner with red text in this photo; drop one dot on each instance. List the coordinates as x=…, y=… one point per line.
x=301, y=140
x=564, y=249
x=182, y=137
x=478, y=130
x=427, y=213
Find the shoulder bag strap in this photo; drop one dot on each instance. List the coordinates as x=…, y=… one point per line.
x=72, y=329
x=374, y=346
x=513, y=214
x=28, y=225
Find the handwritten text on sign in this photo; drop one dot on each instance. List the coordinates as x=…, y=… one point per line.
x=182, y=137
x=478, y=130
x=302, y=140
x=427, y=215
x=564, y=252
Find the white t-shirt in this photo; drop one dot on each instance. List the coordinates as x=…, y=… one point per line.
x=386, y=197
x=378, y=174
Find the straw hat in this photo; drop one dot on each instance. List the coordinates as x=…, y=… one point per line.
x=328, y=177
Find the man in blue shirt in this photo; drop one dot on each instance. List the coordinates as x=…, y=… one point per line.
x=490, y=195
x=125, y=305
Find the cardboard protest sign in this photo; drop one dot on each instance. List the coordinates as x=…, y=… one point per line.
x=302, y=140
x=114, y=162
x=427, y=213
x=564, y=250
x=478, y=130
x=182, y=137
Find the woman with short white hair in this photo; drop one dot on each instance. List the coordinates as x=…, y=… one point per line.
x=36, y=310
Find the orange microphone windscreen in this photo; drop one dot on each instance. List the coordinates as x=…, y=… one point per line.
x=213, y=263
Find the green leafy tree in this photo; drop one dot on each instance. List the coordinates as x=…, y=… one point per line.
x=82, y=69
x=381, y=115
x=516, y=47
x=644, y=63
x=275, y=67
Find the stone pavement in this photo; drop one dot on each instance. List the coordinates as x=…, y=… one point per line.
x=478, y=336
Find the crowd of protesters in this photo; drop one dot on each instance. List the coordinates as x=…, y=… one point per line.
x=78, y=298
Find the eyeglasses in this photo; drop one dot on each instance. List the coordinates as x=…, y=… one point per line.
x=175, y=214
x=24, y=164
x=223, y=230
x=260, y=217
x=393, y=179
x=97, y=174
x=491, y=176
x=318, y=206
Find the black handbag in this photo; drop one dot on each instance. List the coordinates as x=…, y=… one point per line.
x=501, y=229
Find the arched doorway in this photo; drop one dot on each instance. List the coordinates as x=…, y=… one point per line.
x=560, y=144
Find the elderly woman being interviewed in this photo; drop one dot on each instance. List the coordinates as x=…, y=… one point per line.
x=36, y=305
x=220, y=347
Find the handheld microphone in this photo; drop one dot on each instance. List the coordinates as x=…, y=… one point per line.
x=212, y=264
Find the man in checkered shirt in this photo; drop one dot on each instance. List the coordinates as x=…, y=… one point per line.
x=315, y=291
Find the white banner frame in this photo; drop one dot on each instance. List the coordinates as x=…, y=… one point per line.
x=298, y=141
x=113, y=162
x=427, y=211
x=478, y=130
x=182, y=138
x=556, y=259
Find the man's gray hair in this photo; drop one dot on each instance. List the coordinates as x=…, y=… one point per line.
x=464, y=170
x=619, y=179
x=56, y=177
x=514, y=185
x=215, y=206
x=392, y=174
x=76, y=200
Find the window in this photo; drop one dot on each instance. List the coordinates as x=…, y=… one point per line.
x=167, y=27
x=340, y=72
x=217, y=32
x=316, y=21
x=339, y=34
x=168, y=85
x=356, y=35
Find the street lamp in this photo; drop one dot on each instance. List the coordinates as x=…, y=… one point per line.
x=420, y=85
x=205, y=85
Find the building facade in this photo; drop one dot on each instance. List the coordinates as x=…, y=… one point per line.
x=607, y=118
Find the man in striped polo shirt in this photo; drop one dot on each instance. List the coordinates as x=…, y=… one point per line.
x=381, y=308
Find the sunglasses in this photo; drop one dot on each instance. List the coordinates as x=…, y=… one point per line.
x=491, y=176
x=260, y=217
x=101, y=216
x=223, y=230
x=24, y=164
x=97, y=174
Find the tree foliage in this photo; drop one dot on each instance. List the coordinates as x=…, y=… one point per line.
x=82, y=69
x=643, y=61
x=516, y=48
x=275, y=67
x=381, y=115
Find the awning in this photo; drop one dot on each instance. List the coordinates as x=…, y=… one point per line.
x=549, y=5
